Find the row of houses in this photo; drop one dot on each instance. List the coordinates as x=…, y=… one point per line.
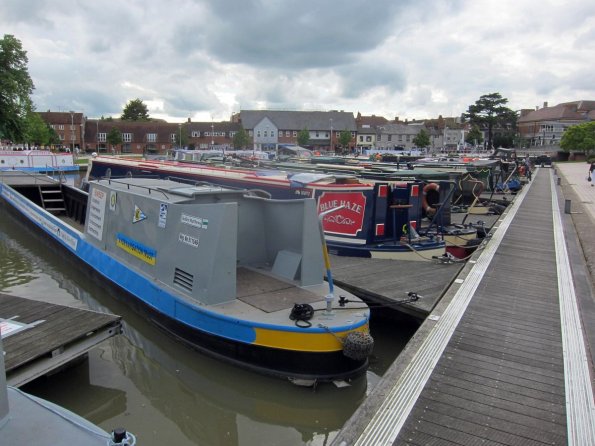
x=268, y=129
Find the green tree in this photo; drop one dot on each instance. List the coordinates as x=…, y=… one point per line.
x=54, y=139
x=37, y=131
x=303, y=137
x=474, y=136
x=490, y=111
x=241, y=139
x=344, y=139
x=422, y=139
x=135, y=110
x=579, y=137
x=16, y=87
x=114, y=137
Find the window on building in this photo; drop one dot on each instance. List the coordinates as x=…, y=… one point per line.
x=295, y=133
x=368, y=139
x=258, y=133
x=61, y=136
x=265, y=133
x=61, y=127
x=353, y=134
x=195, y=134
x=272, y=133
x=127, y=137
x=102, y=137
x=379, y=138
x=390, y=138
x=250, y=133
x=151, y=137
x=288, y=133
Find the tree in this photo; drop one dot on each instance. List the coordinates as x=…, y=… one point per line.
x=16, y=87
x=474, y=136
x=490, y=111
x=37, y=132
x=114, y=137
x=135, y=110
x=344, y=139
x=241, y=139
x=579, y=137
x=422, y=139
x=303, y=137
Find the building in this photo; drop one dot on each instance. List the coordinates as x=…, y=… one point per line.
x=138, y=137
x=269, y=128
x=397, y=136
x=367, y=130
x=545, y=126
x=210, y=135
x=69, y=126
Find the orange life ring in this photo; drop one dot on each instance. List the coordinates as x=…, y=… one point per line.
x=424, y=201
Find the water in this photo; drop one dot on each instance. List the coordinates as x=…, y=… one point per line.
x=164, y=392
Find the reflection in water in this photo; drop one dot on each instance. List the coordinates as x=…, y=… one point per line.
x=161, y=390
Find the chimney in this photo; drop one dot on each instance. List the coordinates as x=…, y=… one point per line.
x=545, y=104
x=189, y=120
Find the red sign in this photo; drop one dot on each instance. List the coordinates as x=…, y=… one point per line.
x=348, y=220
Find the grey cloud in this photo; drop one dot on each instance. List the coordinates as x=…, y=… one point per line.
x=304, y=35
x=28, y=12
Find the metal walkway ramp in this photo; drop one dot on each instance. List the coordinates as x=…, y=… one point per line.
x=503, y=362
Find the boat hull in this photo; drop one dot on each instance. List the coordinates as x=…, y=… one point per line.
x=264, y=348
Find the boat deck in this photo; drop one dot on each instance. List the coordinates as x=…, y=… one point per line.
x=388, y=282
x=502, y=358
x=22, y=178
x=39, y=337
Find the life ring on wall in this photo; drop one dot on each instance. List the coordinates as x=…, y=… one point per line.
x=424, y=201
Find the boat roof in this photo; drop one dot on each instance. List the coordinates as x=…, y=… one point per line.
x=166, y=190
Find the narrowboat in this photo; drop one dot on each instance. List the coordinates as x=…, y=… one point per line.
x=37, y=161
x=232, y=273
x=375, y=220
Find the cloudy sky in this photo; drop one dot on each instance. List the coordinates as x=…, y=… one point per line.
x=207, y=59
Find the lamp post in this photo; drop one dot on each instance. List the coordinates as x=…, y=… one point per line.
x=180, y=141
x=72, y=130
x=212, y=136
x=331, y=137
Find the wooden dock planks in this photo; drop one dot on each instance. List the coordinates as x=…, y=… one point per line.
x=56, y=335
x=500, y=379
x=502, y=375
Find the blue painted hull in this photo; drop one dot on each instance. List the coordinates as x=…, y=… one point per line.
x=219, y=335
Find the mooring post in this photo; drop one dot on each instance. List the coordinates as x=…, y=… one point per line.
x=567, y=205
x=559, y=181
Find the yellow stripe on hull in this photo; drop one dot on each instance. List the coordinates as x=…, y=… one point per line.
x=305, y=342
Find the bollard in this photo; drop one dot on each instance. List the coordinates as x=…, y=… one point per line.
x=567, y=204
x=555, y=171
x=559, y=181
